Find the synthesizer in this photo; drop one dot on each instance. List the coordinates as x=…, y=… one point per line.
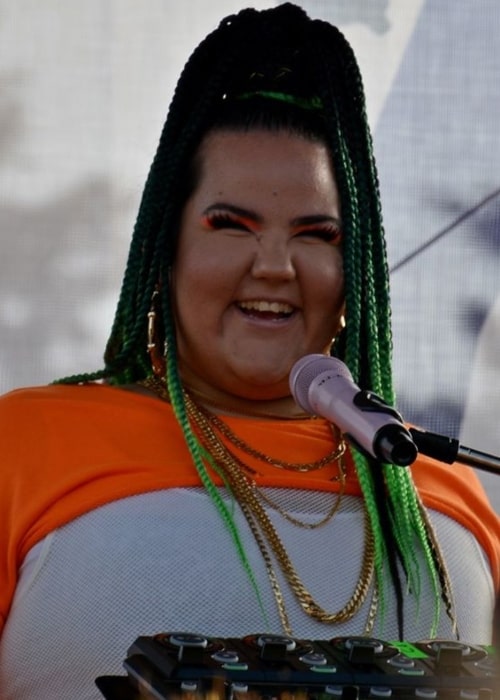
x=193, y=666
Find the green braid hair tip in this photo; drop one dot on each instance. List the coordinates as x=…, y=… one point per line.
x=407, y=529
x=198, y=452
x=313, y=103
x=213, y=464
x=401, y=491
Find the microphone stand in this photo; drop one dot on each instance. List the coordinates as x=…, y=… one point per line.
x=449, y=450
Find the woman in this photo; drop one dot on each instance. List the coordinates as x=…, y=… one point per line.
x=181, y=487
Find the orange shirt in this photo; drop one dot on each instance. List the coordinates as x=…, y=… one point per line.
x=69, y=449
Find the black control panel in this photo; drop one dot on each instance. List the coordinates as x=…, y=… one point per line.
x=180, y=664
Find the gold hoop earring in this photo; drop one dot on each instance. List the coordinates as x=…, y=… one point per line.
x=154, y=321
x=338, y=335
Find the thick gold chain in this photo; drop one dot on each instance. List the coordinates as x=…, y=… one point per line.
x=268, y=539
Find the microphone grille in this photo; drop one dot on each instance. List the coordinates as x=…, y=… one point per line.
x=305, y=371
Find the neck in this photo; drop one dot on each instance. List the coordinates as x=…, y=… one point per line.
x=273, y=402
x=223, y=404
x=281, y=408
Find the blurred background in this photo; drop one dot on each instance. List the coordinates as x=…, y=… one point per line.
x=84, y=89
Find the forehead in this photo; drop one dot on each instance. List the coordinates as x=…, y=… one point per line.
x=259, y=157
x=258, y=141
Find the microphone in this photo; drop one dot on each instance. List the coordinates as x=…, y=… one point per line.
x=323, y=386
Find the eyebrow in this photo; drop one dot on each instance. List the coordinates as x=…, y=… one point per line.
x=316, y=219
x=250, y=214
x=238, y=211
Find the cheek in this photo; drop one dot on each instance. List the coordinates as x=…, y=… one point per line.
x=201, y=289
x=326, y=300
x=212, y=265
x=326, y=280
x=192, y=291
x=193, y=268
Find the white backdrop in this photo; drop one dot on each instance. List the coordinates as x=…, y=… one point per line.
x=84, y=89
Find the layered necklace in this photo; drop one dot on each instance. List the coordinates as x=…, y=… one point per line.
x=220, y=443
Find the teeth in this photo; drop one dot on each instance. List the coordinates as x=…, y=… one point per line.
x=274, y=307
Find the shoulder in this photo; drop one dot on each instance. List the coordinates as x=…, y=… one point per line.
x=448, y=483
x=47, y=393
x=69, y=410
x=40, y=399
x=456, y=491
x=79, y=426
x=61, y=395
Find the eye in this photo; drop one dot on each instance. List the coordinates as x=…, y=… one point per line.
x=328, y=234
x=218, y=221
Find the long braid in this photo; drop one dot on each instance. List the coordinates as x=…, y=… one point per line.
x=357, y=222
x=407, y=516
x=218, y=68
x=189, y=137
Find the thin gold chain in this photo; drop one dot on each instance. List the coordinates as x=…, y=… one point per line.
x=214, y=444
x=157, y=385
x=225, y=430
x=295, y=521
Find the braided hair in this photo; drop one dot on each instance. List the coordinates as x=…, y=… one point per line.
x=279, y=69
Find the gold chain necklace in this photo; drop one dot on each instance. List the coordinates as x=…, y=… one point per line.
x=157, y=385
x=264, y=532
x=225, y=430
x=215, y=445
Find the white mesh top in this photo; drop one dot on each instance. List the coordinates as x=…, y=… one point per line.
x=162, y=561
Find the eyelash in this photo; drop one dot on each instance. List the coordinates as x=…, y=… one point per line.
x=217, y=221
x=329, y=235
x=222, y=220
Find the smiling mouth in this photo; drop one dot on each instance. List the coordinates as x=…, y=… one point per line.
x=268, y=310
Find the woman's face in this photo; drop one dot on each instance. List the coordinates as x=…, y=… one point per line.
x=257, y=282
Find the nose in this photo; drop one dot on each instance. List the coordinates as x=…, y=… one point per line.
x=273, y=259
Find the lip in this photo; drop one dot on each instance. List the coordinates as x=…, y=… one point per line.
x=266, y=312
